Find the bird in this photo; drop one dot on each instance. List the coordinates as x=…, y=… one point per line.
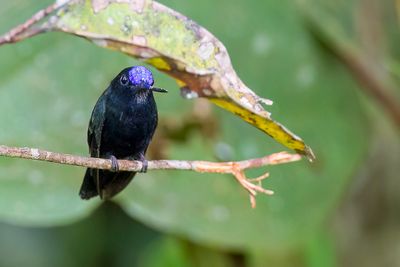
x=121, y=126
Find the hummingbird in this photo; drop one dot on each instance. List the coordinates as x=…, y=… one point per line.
x=122, y=125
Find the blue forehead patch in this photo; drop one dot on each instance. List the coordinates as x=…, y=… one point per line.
x=141, y=77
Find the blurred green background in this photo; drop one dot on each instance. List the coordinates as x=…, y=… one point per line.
x=342, y=210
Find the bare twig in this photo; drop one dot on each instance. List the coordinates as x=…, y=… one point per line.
x=372, y=83
x=236, y=168
x=26, y=29
x=378, y=84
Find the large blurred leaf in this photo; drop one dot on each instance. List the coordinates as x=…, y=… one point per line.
x=37, y=115
x=47, y=92
x=31, y=114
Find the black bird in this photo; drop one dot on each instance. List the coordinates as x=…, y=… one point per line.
x=121, y=127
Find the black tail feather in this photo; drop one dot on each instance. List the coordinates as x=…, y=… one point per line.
x=88, y=188
x=110, y=183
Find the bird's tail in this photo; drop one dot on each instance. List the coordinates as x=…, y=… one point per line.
x=88, y=187
x=107, y=185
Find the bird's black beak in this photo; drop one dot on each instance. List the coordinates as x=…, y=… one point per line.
x=160, y=90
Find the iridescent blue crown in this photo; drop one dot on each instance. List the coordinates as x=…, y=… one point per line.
x=141, y=77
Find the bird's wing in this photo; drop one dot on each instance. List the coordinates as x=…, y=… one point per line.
x=96, y=126
x=95, y=130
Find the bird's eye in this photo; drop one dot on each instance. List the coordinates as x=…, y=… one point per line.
x=124, y=80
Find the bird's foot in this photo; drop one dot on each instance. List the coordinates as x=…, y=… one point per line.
x=114, y=164
x=145, y=163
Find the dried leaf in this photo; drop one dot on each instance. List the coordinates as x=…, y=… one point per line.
x=173, y=44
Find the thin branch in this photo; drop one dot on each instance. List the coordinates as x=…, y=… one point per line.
x=26, y=29
x=236, y=168
x=372, y=83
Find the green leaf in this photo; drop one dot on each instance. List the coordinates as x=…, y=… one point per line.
x=174, y=44
x=44, y=104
